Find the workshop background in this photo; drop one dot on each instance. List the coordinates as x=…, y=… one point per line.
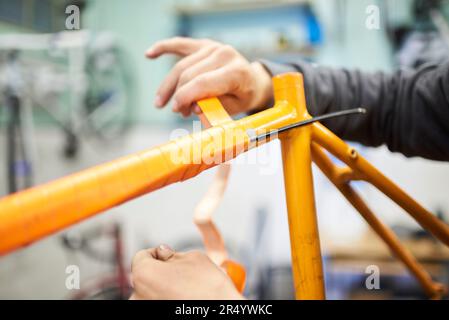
x=75, y=99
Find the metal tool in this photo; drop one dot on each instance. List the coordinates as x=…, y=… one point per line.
x=275, y=133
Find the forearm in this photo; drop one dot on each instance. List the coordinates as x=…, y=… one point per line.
x=407, y=111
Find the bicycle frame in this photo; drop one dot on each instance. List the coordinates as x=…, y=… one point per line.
x=32, y=214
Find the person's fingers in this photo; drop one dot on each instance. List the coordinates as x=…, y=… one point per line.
x=231, y=104
x=196, y=109
x=168, y=85
x=164, y=252
x=177, y=45
x=186, y=112
x=213, y=61
x=210, y=84
x=147, y=254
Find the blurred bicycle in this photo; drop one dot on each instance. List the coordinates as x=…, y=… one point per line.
x=83, y=83
x=112, y=285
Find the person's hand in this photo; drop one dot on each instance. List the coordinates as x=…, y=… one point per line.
x=162, y=274
x=210, y=69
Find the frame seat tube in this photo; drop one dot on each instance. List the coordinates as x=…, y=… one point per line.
x=298, y=180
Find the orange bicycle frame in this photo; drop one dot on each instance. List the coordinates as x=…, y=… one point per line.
x=32, y=214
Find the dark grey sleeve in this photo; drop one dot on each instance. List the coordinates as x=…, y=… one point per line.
x=406, y=110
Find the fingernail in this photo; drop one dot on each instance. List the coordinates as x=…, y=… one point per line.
x=165, y=247
x=175, y=106
x=197, y=109
x=158, y=101
x=149, y=52
x=164, y=252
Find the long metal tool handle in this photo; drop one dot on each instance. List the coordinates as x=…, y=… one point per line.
x=274, y=133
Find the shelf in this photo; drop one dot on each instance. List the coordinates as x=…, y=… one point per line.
x=229, y=6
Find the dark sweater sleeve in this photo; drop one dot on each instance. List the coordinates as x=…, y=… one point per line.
x=406, y=110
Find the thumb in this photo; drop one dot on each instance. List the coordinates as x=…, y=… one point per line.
x=164, y=252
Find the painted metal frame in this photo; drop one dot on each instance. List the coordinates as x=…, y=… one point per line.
x=32, y=214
